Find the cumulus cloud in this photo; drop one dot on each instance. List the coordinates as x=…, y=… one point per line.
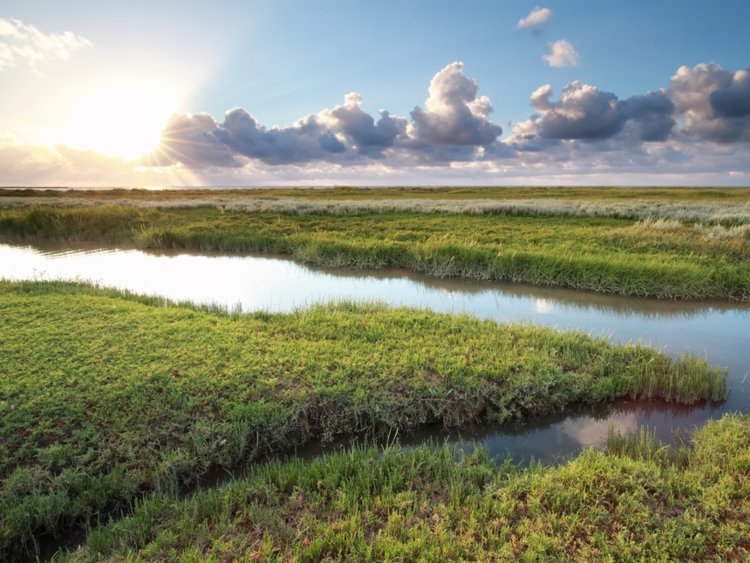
x=454, y=115
x=362, y=131
x=561, y=53
x=697, y=127
x=193, y=141
x=453, y=128
x=22, y=43
x=653, y=114
x=583, y=112
x=573, y=162
x=713, y=103
x=307, y=139
x=734, y=99
x=536, y=18
x=198, y=140
x=454, y=125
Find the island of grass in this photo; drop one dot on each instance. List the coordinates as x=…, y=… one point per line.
x=638, y=502
x=681, y=243
x=107, y=397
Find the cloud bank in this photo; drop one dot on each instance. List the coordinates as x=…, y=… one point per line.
x=704, y=104
x=695, y=130
x=453, y=125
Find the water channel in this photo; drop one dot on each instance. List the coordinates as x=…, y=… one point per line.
x=719, y=330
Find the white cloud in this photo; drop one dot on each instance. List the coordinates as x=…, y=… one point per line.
x=561, y=53
x=359, y=128
x=536, y=18
x=587, y=131
x=573, y=162
x=680, y=135
x=22, y=43
x=712, y=102
x=586, y=113
x=454, y=125
x=583, y=112
x=454, y=115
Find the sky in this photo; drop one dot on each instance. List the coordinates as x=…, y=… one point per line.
x=258, y=93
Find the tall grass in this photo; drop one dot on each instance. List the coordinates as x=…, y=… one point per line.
x=643, y=445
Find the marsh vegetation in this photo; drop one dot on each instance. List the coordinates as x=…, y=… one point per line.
x=639, y=500
x=113, y=404
x=108, y=396
x=604, y=254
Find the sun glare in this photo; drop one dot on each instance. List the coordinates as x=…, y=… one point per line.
x=123, y=118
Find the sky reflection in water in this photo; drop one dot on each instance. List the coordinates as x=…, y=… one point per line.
x=720, y=330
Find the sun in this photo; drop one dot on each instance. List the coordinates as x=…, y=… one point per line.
x=122, y=118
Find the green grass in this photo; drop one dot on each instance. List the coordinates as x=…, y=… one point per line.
x=106, y=397
x=604, y=254
x=430, y=504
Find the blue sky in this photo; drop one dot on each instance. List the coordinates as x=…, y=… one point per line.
x=281, y=61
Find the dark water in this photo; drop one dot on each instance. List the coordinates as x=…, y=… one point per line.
x=720, y=330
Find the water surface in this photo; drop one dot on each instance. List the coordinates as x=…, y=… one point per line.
x=718, y=329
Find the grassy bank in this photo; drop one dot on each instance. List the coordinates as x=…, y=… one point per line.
x=105, y=397
x=639, y=501
x=658, y=258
